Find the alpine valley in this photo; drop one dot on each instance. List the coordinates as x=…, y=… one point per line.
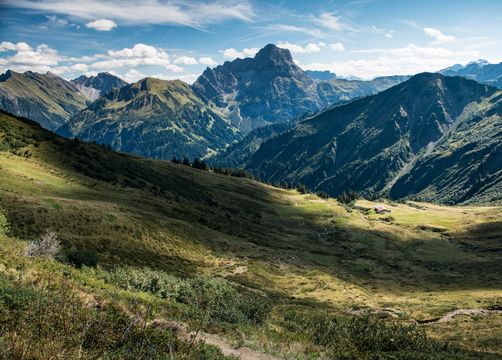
x=264, y=211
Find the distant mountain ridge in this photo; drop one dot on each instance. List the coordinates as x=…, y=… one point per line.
x=93, y=87
x=46, y=98
x=480, y=70
x=376, y=144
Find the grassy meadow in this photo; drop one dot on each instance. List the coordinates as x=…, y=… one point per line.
x=158, y=228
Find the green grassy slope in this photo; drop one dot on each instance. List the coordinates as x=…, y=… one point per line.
x=154, y=118
x=303, y=252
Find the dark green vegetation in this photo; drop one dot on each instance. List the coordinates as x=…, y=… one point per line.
x=481, y=70
x=154, y=118
x=432, y=137
x=45, y=98
x=263, y=267
x=93, y=87
x=270, y=88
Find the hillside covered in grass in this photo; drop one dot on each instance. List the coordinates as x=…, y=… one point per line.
x=169, y=252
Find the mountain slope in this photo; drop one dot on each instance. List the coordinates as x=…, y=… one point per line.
x=310, y=258
x=93, y=87
x=271, y=88
x=45, y=98
x=368, y=144
x=481, y=71
x=154, y=118
x=465, y=166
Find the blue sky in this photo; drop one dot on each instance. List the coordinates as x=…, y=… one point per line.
x=178, y=39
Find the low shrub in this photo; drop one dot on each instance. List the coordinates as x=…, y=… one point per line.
x=48, y=246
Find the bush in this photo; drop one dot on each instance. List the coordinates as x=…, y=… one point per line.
x=4, y=224
x=48, y=246
x=208, y=299
x=81, y=256
x=348, y=197
x=303, y=189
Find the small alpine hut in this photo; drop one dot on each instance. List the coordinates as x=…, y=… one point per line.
x=380, y=209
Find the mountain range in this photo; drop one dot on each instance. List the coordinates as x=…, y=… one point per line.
x=161, y=119
x=480, y=70
x=432, y=137
x=270, y=88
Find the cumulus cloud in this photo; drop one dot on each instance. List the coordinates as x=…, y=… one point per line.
x=139, y=54
x=409, y=60
x=41, y=59
x=298, y=49
x=231, y=53
x=20, y=46
x=132, y=76
x=206, y=60
x=337, y=46
x=101, y=25
x=438, y=35
x=175, y=12
x=185, y=60
x=81, y=68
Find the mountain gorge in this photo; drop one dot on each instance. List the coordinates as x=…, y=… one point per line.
x=153, y=118
x=46, y=98
x=373, y=144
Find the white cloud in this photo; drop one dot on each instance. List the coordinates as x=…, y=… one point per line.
x=206, y=60
x=82, y=68
x=102, y=25
x=337, y=46
x=438, y=35
x=132, y=76
x=139, y=54
x=40, y=59
x=294, y=28
x=175, y=12
x=174, y=68
x=298, y=49
x=185, y=60
x=20, y=46
x=231, y=53
x=329, y=21
x=388, y=35
x=409, y=60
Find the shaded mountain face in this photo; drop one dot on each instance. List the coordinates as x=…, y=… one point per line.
x=239, y=153
x=154, y=118
x=46, y=98
x=93, y=87
x=369, y=144
x=481, y=71
x=464, y=167
x=271, y=88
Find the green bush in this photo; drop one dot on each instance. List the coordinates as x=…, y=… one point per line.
x=207, y=299
x=4, y=223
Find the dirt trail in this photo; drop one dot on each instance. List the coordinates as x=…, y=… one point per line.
x=467, y=312
x=242, y=353
x=181, y=331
